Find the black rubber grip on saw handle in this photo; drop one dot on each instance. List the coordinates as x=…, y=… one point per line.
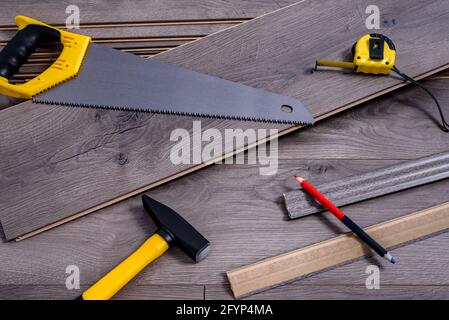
x=22, y=45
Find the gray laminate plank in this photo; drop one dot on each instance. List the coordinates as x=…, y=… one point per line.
x=6, y=102
x=372, y=184
x=76, y=163
x=242, y=214
x=221, y=292
x=401, y=125
x=139, y=10
x=297, y=291
x=130, y=292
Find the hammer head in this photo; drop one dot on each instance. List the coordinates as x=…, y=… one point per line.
x=176, y=230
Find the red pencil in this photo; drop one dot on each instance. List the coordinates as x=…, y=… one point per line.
x=345, y=219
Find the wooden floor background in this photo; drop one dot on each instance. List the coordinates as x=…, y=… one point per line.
x=241, y=212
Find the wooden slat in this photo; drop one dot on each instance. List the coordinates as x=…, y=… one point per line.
x=185, y=24
x=130, y=292
x=127, y=34
x=96, y=11
x=372, y=184
x=170, y=292
x=146, y=39
x=342, y=249
x=295, y=291
x=86, y=147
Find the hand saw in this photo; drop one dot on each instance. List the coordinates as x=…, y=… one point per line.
x=90, y=75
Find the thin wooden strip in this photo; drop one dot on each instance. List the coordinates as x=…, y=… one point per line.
x=129, y=33
x=138, y=39
x=41, y=57
x=131, y=24
x=372, y=184
x=149, y=39
x=43, y=61
x=46, y=56
x=287, y=267
x=139, y=50
x=44, y=49
x=149, y=44
x=438, y=78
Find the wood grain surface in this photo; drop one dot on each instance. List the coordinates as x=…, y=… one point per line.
x=53, y=11
x=243, y=215
x=86, y=160
x=343, y=292
x=369, y=185
x=97, y=242
x=343, y=249
x=130, y=292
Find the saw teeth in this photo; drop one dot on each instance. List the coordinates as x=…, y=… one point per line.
x=160, y=111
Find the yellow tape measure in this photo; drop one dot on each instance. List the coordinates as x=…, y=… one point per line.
x=373, y=53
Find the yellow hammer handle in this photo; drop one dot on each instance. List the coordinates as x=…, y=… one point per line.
x=116, y=279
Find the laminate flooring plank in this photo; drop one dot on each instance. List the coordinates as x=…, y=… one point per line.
x=87, y=159
x=53, y=11
x=296, y=291
x=241, y=213
x=123, y=34
x=358, y=133
x=6, y=102
x=341, y=192
x=214, y=292
x=130, y=292
x=401, y=125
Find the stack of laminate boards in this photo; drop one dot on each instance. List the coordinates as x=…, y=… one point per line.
x=59, y=162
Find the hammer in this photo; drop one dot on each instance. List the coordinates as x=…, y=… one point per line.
x=173, y=230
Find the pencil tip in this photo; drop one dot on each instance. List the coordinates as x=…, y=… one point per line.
x=390, y=258
x=298, y=178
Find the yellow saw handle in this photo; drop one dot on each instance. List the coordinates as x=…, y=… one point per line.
x=116, y=279
x=22, y=45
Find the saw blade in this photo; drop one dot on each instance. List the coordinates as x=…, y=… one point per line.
x=112, y=79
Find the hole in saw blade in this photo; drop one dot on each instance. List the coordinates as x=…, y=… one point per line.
x=286, y=108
